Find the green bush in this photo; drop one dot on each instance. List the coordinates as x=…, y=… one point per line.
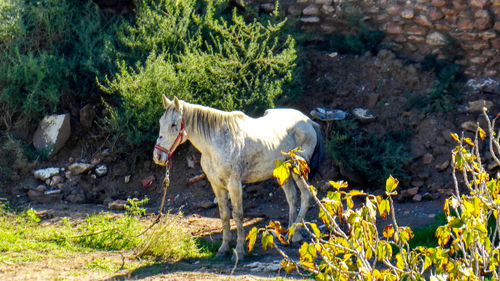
x=374, y=157
x=200, y=55
x=49, y=49
x=447, y=91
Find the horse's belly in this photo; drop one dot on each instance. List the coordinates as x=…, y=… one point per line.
x=258, y=173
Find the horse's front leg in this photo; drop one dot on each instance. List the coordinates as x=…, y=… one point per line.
x=222, y=200
x=235, y=193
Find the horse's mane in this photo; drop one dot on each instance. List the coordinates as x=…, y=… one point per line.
x=206, y=121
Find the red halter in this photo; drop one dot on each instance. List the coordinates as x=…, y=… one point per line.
x=178, y=140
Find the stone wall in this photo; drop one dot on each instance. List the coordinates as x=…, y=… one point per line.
x=468, y=29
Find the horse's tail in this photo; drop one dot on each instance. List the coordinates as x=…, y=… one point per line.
x=319, y=151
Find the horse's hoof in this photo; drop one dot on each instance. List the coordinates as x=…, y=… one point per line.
x=297, y=238
x=221, y=254
x=237, y=257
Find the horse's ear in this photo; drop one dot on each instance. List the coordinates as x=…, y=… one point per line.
x=177, y=104
x=166, y=101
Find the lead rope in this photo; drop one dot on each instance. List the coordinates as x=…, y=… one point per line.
x=166, y=183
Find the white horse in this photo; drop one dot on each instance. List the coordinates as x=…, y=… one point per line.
x=237, y=149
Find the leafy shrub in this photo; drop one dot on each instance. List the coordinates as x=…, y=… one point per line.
x=350, y=247
x=365, y=40
x=447, y=91
x=50, y=48
x=199, y=56
x=374, y=157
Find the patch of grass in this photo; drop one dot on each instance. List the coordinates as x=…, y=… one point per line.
x=25, y=238
x=425, y=236
x=168, y=241
x=103, y=265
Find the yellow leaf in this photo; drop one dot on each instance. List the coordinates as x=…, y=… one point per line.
x=482, y=133
x=388, y=231
x=399, y=261
x=391, y=184
x=281, y=172
x=377, y=274
x=469, y=141
x=383, y=208
x=350, y=203
x=251, y=237
x=267, y=240
x=338, y=184
x=288, y=266
x=455, y=137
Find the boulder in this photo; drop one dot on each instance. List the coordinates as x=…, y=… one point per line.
x=477, y=106
x=87, y=115
x=101, y=170
x=52, y=133
x=78, y=168
x=44, y=174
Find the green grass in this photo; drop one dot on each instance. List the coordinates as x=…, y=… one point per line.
x=25, y=238
x=425, y=236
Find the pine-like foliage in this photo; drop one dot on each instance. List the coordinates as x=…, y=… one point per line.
x=197, y=52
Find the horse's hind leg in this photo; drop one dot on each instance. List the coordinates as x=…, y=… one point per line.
x=235, y=193
x=291, y=198
x=222, y=200
x=305, y=200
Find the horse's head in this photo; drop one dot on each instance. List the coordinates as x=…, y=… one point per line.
x=172, y=132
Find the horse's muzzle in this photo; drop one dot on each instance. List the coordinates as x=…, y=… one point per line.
x=160, y=157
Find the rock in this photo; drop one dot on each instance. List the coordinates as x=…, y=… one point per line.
x=294, y=10
x=57, y=179
x=78, y=168
x=427, y=159
x=101, y=170
x=263, y=267
x=117, y=205
x=87, y=115
x=190, y=161
x=76, y=196
x=417, y=183
x=147, y=181
x=52, y=133
x=41, y=188
x=470, y=126
x=477, y=106
x=445, y=191
x=267, y=7
x=207, y=204
x=363, y=115
x=428, y=196
x=310, y=19
x=487, y=85
x=44, y=174
x=417, y=198
x=436, y=39
x=311, y=10
x=412, y=191
x=443, y=166
x=48, y=196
